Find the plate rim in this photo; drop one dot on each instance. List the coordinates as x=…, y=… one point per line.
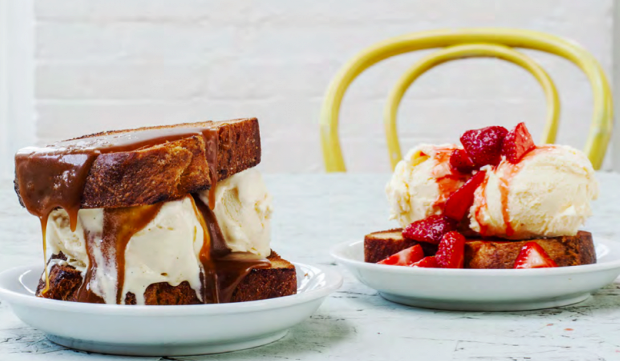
x=334, y=281
x=337, y=253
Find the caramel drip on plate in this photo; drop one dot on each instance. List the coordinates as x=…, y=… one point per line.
x=223, y=270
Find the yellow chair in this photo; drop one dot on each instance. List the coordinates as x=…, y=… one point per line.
x=464, y=43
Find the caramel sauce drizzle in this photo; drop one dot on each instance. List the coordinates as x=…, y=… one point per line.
x=223, y=270
x=54, y=177
x=119, y=225
x=85, y=293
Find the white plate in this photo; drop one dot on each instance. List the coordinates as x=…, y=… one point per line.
x=482, y=289
x=166, y=330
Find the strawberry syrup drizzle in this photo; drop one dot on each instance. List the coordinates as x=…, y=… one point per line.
x=448, y=180
x=483, y=204
x=504, y=188
x=506, y=179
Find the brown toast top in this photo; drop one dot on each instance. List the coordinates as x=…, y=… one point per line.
x=488, y=253
x=238, y=141
x=167, y=169
x=262, y=283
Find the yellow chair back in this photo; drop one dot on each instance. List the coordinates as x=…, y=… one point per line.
x=465, y=43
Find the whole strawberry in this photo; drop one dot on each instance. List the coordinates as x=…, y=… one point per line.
x=430, y=229
x=484, y=146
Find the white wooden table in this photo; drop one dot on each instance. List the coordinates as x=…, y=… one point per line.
x=314, y=212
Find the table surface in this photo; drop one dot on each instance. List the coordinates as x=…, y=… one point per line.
x=315, y=212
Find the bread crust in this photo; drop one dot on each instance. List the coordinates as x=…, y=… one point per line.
x=171, y=170
x=489, y=253
x=277, y=281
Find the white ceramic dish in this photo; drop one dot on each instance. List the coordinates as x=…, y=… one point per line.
x=483, y=290
x=166, y=330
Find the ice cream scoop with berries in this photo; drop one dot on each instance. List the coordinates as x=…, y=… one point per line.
x=497, y=200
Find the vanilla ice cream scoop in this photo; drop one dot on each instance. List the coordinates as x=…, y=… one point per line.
x=421, y=183
x=548, y=193
x=243, y=211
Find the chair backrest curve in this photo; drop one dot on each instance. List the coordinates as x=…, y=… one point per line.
x=463, y=43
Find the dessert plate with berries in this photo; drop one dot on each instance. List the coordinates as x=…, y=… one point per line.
x=483, y=289
x=494, y=223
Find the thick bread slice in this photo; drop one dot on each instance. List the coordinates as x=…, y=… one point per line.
x=277, y=281
x=169, y=170
x=489, y=254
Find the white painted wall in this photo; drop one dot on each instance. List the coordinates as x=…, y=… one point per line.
x=17, y=122
x=125, y=63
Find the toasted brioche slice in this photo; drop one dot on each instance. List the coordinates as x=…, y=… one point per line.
x=169, y=170
x=277, y=281
x=490, y=254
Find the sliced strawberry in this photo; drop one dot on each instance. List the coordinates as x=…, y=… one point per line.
x=451, y=252
x=532, y=255
x=461, y=161
x=460, y=201
x=430, y=229
x=517, y=143
x=426, y=262
x=484, y=145
x=406, y=257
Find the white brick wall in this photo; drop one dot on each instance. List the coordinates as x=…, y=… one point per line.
x=125, y=63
